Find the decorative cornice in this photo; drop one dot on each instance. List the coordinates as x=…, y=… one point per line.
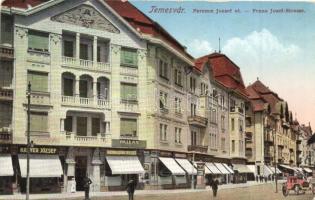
x=21, y=32
x=55, y=38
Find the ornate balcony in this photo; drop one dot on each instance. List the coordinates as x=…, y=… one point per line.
x=198, y=121
x=6, y=94
x=6, y=53
x=85, y=64
x=237, y=110
x=198, y=148
x=85, y=102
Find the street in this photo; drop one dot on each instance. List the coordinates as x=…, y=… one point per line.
x=261, y=192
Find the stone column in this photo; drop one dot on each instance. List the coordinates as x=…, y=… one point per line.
x=95, y=89
x=89, y=126
x=77, y=48
x=62, y=125
x=74, y=124
x=77, y=87
x=95, y=51
x=96, y=176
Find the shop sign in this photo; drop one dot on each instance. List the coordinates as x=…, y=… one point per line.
x=180, y=155
x=121, y=153
x=165, y=153
x=200, y=169
x=39, y=150
x=129, y=143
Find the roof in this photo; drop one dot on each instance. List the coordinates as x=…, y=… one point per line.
x=259, y=91
x=225, y=71
x=138, y=20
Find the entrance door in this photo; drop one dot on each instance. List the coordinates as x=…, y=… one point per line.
x=80, y=171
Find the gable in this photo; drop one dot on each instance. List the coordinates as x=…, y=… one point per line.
x=86, y=16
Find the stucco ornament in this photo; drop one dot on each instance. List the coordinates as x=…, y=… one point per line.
x=86, y=16
x=55, y=38
x=21, y=32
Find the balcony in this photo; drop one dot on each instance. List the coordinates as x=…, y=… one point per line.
x=198, y=121
x=6, y=94
x=40, y=98
x=198, y=148
x=85, y=64
x=129, y=71
x=100, y=140
x=5, y=135
x=42, y=57
x=237, y=110
x=85, y=102
x=129, y=106
x=6, y=53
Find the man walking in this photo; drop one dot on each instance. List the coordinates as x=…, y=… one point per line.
x=131, y=186
x=87, y=183
x=214, y=186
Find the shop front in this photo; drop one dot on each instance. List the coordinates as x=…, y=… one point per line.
x=121, y=166
x=45, y=170
x=6, y=174
x=241, y=172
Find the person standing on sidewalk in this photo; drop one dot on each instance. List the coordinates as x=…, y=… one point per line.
x=131, y=187
x=214, y=186
x=87, y=183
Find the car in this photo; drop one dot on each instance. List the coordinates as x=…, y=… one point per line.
x=298, y=184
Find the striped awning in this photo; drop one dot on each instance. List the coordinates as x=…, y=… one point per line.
x=213, y=168
x=308, y=170
x=125, y=165
x=241, y=168
x=187, y=166
x=228, y=168
x=221, y=168
x=172, y=165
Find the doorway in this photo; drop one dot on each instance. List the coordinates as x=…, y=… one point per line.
x=80, y=171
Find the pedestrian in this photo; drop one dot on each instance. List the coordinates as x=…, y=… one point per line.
x=87, y=182
x=256, y=178
x=131, y=186
x=214, y=186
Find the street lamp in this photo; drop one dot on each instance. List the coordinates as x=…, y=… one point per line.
x=28, y=142
x=275, y=160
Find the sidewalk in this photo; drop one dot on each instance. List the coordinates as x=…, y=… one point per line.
x=124, y=193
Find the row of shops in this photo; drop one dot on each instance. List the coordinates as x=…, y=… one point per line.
x=62, y=169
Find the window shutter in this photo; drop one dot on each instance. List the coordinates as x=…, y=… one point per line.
x=39, y=122
x=128, y=57
x=128, y=127
x=38, y=41
x=38, y=80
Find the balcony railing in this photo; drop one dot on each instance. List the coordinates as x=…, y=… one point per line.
x=72, y=139
x=129, y=71
x=6, y=52
x=5, y=135
x=129, y=105
x=198, y=121
x=85, y=64
x=85, y=102
x=6, y=94
x=198, y=148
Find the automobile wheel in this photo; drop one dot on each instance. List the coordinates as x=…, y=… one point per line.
x=285, y=191
x=296, y=189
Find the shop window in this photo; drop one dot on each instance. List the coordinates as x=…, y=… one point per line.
x=39, y=122
x=38, y=41
x=38, y=80
x=128, y=127
x=82, y=126
x=129, y=57
x=128, y=92
x=163, y=170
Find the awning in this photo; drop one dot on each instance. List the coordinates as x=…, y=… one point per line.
x=213, y=168
x=297, y=169
x=172, y=165
x=252, y=168
x=241, y=168
x=221, y=168
x=187, y=166
x=273, y=170
x=308, y=170
x=267, y=171
x=228, y=168
x=41, y=166
x=125, y=165
x=6, y=167
x=288, y=167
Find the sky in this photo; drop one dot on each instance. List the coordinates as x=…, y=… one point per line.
x=278, y=47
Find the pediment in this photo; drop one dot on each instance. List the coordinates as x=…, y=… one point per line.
x=86, y=16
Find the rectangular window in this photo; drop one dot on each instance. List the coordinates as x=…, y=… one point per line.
x=95, y=126
x=233, y=146
x=163, y=132
x=68, y=48
x=178, y=106
x=82, y=126
x=38, y=80
x=128, y=92
x=98, y=54
x=163, y=69
x=128, y=127
x=233, y=124
x=178, y=132
x=39, y=122
x=38, y=41
x=84, y=51
x=192, y=84
x=129, y=57
x=222, y=144
x=241, y=125
x=68, y=87
x=163, y=100
x=193, y=109
x=68, y=124
x=193, y=138
x=178, y=77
